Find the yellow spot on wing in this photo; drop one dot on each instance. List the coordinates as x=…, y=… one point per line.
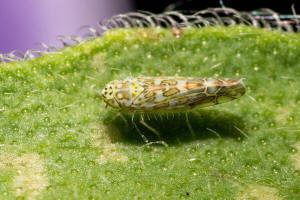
x=136, y=90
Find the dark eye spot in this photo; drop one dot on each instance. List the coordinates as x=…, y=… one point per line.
x=110, y=87
x=105, y=88
x=110, y=93
x=105, y=93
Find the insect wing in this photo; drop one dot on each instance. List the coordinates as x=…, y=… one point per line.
x=169, y=92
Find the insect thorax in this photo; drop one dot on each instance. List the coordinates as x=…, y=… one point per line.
x=123, y=93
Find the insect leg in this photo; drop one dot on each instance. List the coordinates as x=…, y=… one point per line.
x=118, y=114
x=140, y=132
x=144, y=138
x=142, y=121
x=124, y=119
x=114, y=117
x=189, y=125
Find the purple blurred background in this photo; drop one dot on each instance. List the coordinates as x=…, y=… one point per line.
x=24, y=23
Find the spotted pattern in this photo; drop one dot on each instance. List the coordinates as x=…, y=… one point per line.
x=152, y=94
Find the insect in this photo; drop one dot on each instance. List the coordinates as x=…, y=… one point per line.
x=169, y=94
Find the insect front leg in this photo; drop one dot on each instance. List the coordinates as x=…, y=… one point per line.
x=118, y=114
